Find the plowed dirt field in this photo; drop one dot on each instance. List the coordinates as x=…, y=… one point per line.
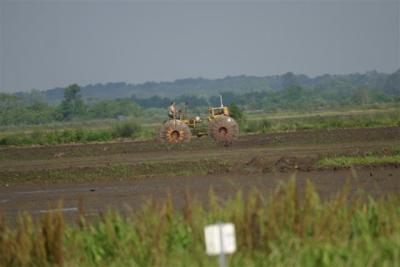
x=124, y=174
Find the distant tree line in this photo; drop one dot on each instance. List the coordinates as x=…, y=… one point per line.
x=388, y=83
x=294, y=98
x=298, y=98
x=32, y=109
x=287, y=92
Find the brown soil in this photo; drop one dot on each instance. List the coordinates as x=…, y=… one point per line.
x=320, y=137
x=35, y=178
x=97, y=197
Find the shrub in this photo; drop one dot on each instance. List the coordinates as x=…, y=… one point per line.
x=98, y=136
x=264, y=125
x=127, y=130
x=236, y=112
x=260, y=126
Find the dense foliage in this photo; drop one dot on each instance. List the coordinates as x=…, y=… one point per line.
x=389, y=83
x=31, y=108
x=289, y=92
x=286, y=92
x=126, y=129
x=280, y=229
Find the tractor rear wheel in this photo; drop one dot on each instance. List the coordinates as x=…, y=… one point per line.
x=174, y=132
x=223, y=129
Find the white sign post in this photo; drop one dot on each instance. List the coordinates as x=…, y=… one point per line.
x=220, y=240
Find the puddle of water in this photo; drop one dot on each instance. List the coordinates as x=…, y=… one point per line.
x=72, y=209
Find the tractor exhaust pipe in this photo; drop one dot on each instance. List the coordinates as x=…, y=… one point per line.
x=220, y=99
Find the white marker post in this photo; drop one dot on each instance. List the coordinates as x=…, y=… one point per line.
x=220, y=240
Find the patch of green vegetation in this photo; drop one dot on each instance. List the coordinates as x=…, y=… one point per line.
x=129, y=129
x=347, y=161
x=267, y=123
x=108, y=130
x=273, y=230
x=117, y=172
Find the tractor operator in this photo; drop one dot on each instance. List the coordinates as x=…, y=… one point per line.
x=172, y=110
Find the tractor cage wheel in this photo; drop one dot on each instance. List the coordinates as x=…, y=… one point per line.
x=223, y=129
x=174, y=132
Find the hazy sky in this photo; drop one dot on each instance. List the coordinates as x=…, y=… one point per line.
x=45, y=44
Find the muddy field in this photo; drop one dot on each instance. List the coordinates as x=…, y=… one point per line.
x=121, y=175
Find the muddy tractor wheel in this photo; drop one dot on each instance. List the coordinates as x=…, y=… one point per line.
x=223, y=129
x=174, y=132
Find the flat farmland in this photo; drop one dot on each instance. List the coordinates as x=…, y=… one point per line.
x=122, y=175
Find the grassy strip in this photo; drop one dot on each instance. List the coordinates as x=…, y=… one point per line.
x=265, y=124
x=130, y=130
x=117, y=172
x=346, y=161
x=366, y=111
x=275, y=230
x=86, y=132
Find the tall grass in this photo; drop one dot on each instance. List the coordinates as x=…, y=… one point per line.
x=263, y=124
x=130, y=130
x=282, y=229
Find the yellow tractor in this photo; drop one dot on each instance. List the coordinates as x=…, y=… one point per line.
x=219, y=125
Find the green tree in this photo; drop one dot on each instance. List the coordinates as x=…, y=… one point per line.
x=236, y=112
x=72, y=105
x=392, y=84
x=113, y=108
x=9, y=105
x=361, y=96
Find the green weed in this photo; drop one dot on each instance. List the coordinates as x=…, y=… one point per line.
x=347, y=161
x=281, y=229
x=295, y=122
x=117, y=172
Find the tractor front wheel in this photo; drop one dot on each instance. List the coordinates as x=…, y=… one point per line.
x=174, y=132
x=223, y=129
